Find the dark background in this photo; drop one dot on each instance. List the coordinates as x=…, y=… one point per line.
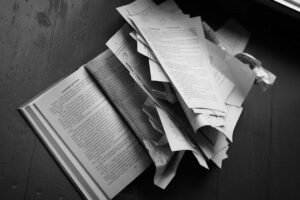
x=42, y=41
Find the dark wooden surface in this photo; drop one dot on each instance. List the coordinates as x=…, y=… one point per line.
x=41, y=41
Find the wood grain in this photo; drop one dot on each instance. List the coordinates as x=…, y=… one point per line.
x=42, y=41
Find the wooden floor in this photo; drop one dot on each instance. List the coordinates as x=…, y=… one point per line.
x=42, y=41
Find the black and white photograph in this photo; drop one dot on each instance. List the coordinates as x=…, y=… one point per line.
x=149, y=99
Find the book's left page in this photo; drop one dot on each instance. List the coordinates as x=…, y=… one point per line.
x=87, y=136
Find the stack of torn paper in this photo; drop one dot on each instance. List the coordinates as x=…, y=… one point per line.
x=195, y=86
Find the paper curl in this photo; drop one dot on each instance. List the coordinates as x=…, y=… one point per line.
x=264, y=78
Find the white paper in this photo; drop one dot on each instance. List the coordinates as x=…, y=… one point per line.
x=233, y=37
x=214, y=121
x=223, y=84
x=219, y=157
x=150, y=110
x=231, y=119
x=144, y=50
x=133, y=35
x=243, y=77
x=208, y=112
x=182, y=52
x=210, y=144
x=198, y=121
x=141, y=39
x=144, y=7
x=157, y=74
x=237, y=72
x=170, y=6
x=124, y=48
x=140, y=7
x=216, y=138
x=78, y=111
x=165, y=161
x=169, y=172
x=176, y=139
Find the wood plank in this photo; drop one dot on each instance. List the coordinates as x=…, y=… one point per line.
x=285, y=160
x=24, y=41
x=44, y=40
x=191, y=181
x=81, y=30
x=46, y=179
x=245, y=174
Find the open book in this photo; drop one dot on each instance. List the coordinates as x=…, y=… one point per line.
x=93, y=123
x=161, y=89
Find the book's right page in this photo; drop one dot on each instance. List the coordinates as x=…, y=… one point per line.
x=125, y=94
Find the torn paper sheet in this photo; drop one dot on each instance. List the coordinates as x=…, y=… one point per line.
x=167, y=94
x=165, y=161
x=133, y=35
x=233, y=36
x=219, y=157
x=236, y=71
x=213, y=120
x=144, y=50
x=124, y=48
x=157, y=74
x=181, y=50
x=231, y=120
x=170, y=6
x=178, y=142
x=156, y=126
x=208, y=112
x=215, y=137
x=144, y=7
x=212, y=36
x=141, y=39
x=197, y=122
x=164, y=175
x=264, y=78
x=223, y=84
x=158, y=16
x=141, y=7
x=154, y=122
x=150, y=110
x=163, y=91
x=243, y=77
x=176, y=139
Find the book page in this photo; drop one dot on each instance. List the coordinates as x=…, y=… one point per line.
x=126, y=95
x=124, y=47
x=85, y=121
x=62, y=154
